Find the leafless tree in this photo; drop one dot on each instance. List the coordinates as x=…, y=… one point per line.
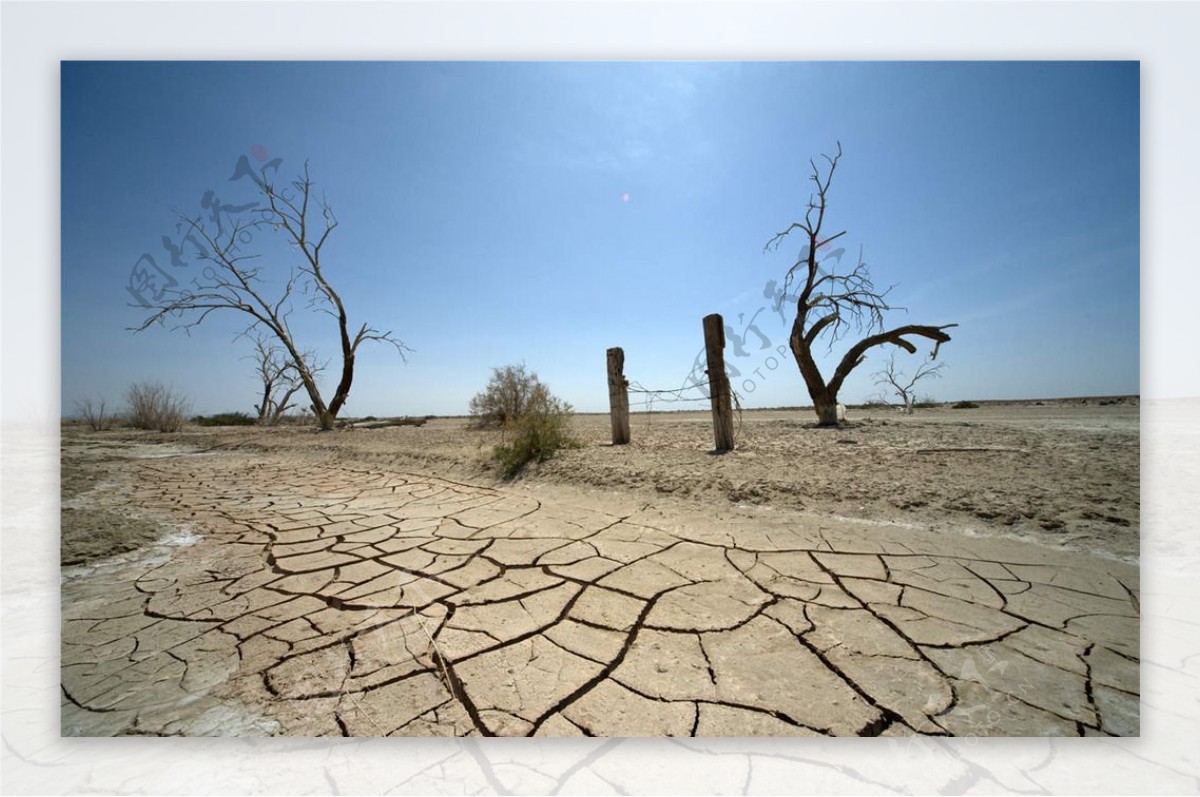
x=835, y=302
x=93, y=413
x=233, y=282
x=893, y=380
x=280, y=378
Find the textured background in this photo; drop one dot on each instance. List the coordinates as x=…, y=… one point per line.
x=35, y=37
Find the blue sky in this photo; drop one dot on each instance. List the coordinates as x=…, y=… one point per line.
x=542, y=212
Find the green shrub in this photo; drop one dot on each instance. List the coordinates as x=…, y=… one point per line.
x=966, y=405
x=225, y=419
x=537, y=435
x=511, y=393
x=534, y=421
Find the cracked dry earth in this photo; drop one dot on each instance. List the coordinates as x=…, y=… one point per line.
x=340, y=598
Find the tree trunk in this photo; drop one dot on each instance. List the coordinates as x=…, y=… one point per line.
x=824, y=399
x=343, y=389
x=264, y=409
x=826, y=407
x=325, y=418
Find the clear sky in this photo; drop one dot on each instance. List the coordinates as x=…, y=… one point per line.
x=494, y=213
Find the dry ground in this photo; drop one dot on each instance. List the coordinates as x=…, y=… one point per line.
x=953, y=572
x=1063, y=474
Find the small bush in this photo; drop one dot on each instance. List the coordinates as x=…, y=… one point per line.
x=511, y=393
x=537, y=435
x=966, y=405
x=534, y=421
x=225, y=419
x=925, y=403
x=93, y=414
x=152, y=406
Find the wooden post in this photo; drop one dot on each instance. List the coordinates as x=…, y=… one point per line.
x=618, y=396
x=718, y=382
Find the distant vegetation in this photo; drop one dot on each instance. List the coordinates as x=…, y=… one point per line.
x=965, y=405
x=225, y=419
x=893, y=380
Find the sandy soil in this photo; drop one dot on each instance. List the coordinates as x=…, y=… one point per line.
x=96, y=520
x=1059, y=474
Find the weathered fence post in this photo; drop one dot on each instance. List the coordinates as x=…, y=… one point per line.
x=618, y=396
x=718, y=382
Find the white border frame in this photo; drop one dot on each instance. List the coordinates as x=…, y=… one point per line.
x=36, y=36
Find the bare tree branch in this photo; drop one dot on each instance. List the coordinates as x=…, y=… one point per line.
x=892, y=379
x=234, y=281
x=834, y=302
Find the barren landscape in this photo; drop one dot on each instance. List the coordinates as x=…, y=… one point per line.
x=739, y=406
x=952, y=572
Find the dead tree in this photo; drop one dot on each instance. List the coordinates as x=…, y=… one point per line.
x=833, y=303
x=93, y=413
x=892, y=380
x=280, y=378
x=233, y=282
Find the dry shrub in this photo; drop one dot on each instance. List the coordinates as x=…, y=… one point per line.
x=153, y=406
x=537, y=435
x=510, y=394
x=534, y=420
x=93, y=414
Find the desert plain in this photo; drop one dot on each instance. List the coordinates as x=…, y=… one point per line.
x=966, y=572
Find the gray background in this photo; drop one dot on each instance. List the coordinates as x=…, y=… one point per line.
x=36, y=36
